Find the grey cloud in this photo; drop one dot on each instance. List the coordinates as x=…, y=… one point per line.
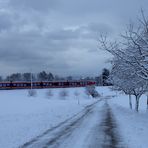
x=100, y=27
x=63, y=34
x=36, y=5
x=5, y=22
x=89, y=7
x=59, y=35
x=88, y=31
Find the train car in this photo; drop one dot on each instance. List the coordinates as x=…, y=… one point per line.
x=44, y=84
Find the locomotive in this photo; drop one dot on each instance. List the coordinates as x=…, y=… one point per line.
x=44, y=84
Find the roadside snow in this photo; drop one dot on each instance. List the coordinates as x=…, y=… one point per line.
x=132, y=125
x=23, y=117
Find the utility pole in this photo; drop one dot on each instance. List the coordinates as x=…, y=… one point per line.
x=31, y=78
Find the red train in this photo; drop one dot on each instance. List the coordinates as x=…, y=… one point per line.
x=51, y=84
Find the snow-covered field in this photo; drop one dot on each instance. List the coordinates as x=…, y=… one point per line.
x=23, y=117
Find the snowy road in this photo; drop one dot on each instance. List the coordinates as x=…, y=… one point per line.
x=94, y=127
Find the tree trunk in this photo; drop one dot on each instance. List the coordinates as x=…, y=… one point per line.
x=137, y=103
x=130, y=102
x=78, y=99
x=147, y=101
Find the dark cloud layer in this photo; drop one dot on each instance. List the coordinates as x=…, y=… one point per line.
x=60, y=35
x=34, y=5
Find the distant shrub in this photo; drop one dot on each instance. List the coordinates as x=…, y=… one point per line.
x=32, y=93
x=63, y=94
x=91, y=91
x=76, y=93
x=49, y=93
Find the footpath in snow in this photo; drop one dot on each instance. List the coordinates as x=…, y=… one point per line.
x=94, y=127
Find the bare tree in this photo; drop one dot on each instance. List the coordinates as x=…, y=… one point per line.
x=76, y=93
x=1, y=78
x=49, y=93
x=91, y=91
x=63, y=93
x=32, y=93
x=130, y=62
x=133, y=49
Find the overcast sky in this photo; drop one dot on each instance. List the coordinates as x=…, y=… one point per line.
x=60, y=36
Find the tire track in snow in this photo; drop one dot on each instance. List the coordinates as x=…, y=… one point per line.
x=50, y=136
x=93, y=132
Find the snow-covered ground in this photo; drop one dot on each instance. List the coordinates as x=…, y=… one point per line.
x=133, y=126
x=23, y=117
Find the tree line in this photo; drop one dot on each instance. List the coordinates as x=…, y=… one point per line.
x=101, y=80
x=41, y=76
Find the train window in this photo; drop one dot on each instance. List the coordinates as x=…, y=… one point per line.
x=8, y=84
x=14, y=84
x=25, y=85
x=4, y=85
x=36, y=84
x=44, y=84
x=60, y=84
x=0, y=85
